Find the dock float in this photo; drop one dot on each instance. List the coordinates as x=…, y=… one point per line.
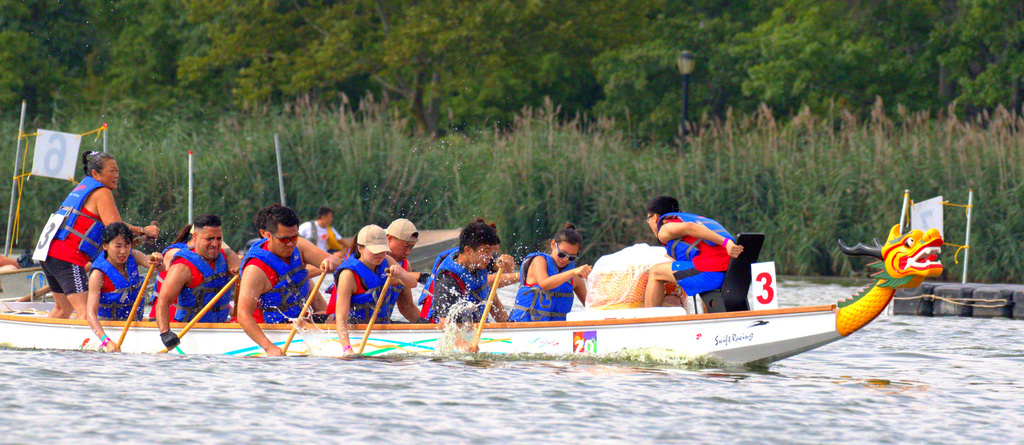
x=961, y=300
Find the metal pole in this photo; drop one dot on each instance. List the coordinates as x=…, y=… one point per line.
x=14, y=182
x=190, y=187
x=967, y=236
x=104, y=137
x=280, y=177
x=903, y=211
x=686, y=104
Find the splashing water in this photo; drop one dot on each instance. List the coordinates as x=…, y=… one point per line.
x=317, y=342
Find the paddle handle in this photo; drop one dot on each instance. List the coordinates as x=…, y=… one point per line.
x=376, y=310
x=206, y=308
x=487, y=308
x=305, y=308
x=138, y=299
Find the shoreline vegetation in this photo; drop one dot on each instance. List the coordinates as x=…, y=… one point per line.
x=804, y=181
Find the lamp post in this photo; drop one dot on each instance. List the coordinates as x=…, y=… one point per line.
x=686, y=63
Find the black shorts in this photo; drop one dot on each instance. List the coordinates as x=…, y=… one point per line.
x=64, y=277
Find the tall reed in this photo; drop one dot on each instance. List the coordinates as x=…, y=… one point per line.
x=805, y=181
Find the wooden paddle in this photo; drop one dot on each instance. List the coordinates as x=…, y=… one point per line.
x=206, y=308
x=487, y=310
x=131, y=315
x=376, y=310
x=295, y=327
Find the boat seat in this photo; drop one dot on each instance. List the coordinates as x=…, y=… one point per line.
x=732, y=296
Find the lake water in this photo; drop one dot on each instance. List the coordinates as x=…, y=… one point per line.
x=900, y=380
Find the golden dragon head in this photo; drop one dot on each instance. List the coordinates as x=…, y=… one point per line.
x=906, y=260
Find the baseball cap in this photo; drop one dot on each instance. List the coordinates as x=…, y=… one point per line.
x=404, y=230
x=373, y=238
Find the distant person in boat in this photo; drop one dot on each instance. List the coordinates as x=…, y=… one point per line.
x=402, y=237
x=460, y=286
x=360, y=280
x=426, y=300
x=700, y=247
x=77, y=242
x=274, y=283
x=196, y=275
x=321, y=233
x=549, y=280
x=114, y=282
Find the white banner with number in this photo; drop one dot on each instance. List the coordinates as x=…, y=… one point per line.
x=56, y=154
x=763, y=292
x=926, y=215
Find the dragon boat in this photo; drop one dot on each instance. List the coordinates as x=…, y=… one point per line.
x=731, y=336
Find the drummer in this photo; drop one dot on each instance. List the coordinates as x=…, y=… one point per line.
x=75, y=241
x=274, y=276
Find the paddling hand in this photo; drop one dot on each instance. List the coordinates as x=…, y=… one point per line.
x=170, y=339
x=274, y=351
x=233, y=270
x=329, y=264
x=111, y=346
x=582, y=271
x=151, y=231
x=734, y=249
x=158, y=259
x=506, y=263
x=474, y=349
x=395, y=270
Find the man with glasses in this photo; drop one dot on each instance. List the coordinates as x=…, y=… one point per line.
x=274, y=283
x=700, y=246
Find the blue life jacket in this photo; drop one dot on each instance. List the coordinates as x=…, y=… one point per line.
x=536, y=304
x=192, y=299
x=370, y=283
x=160, y=276
x=472, y=285
x=428, y=287
x=683, y=251
x=92, y=239
x=284, y=302
x=116, y=304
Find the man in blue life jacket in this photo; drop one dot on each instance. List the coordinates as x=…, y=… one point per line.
x=700, y=246
x=274, y=284
x=194, y=277
x=461, y=277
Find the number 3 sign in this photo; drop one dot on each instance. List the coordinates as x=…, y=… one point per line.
x=56, y=154
x=763, y=291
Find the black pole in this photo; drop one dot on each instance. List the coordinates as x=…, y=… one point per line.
x=686, y=104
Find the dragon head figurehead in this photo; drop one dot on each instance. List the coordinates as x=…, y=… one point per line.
x=904, y=261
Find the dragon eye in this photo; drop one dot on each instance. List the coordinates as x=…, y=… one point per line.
x=909, y=242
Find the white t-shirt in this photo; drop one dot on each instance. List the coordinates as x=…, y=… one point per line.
x=306, y=231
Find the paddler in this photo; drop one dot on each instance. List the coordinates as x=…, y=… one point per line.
x=114, y=282
x=73, y=236
x=700, y=247
x=402, y=237
x=197, y=273
x=360, y=280
x=549, y=280
x=274, y=276
x=460, y=285
x=427, y=296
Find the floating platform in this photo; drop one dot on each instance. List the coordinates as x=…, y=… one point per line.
x=961, y=300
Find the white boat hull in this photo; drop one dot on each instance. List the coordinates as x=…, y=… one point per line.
x=738, y=337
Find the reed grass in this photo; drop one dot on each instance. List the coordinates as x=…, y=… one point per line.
x=804, y=181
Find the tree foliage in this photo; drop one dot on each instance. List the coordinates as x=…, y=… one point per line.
x=454, y=64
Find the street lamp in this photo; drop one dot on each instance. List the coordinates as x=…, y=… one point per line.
x=686, y=62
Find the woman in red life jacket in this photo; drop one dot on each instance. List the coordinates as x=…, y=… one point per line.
x=75, y=241
x=700, y=246
x=114, y=282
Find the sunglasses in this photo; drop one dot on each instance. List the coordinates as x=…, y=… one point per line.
x=562, y=254
x=286, y=239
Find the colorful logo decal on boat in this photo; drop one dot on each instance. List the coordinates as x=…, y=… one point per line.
x=584, y=341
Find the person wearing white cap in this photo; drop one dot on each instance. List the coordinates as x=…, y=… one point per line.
x=402, y=237
x=360, y=280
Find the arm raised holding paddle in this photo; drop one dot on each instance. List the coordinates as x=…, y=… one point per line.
x=364, y=293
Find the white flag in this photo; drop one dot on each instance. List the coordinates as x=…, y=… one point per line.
x=927, y=215
x=56, y=154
